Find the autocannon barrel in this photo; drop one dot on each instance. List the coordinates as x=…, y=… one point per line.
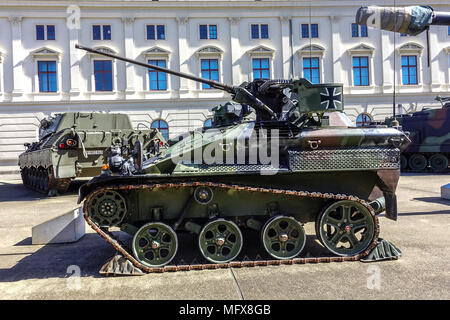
x=410, y=20
x=212, y=83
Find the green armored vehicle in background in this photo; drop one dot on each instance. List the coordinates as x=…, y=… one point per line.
x=75, y=144
x=281, y=154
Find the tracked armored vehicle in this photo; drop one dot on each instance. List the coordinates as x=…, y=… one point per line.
x=75, y=144
x=429, y=130
x=279, y=155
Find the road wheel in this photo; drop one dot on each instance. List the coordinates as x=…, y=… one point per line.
x=417, y=162
x=346, y=228
x=220, y=241
x=438, y=162
x=283, y=237
x=155, y=244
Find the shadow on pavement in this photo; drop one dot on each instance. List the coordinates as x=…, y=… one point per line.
x=92, y=251
x=18, y=192
x=434, y=200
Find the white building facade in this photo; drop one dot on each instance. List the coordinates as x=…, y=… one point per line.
x=41, y=71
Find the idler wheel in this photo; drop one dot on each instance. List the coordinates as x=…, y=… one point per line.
x=346, y=228
x=417, y=162
x=283, y=237
x=220, y=241
x=155, y=244
x=107, y=208
x=438, y=162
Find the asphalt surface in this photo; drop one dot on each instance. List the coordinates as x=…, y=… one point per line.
x=49, y=271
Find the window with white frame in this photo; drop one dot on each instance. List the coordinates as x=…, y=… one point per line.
x=45, y=32
x=156, y=32
x=409, y=55
x=47, y=77
x=208, y=31
x=360, y=67
x=261, y=62
x=311, y=69
x=259, y=31
x=362, y=64
x=311, y=62
x=409, y=69
x=210, y=60
x=103, y=75
x=157, y=79
x=359, y=30
x=101, y=32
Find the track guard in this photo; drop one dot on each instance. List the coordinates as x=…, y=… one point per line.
x=120, y=266
x=384, y=250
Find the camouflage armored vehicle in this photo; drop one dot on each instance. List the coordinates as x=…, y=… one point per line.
x=75, y=144
x=429, y=130
x=279, y=155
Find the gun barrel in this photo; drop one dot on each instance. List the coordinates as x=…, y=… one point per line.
x=441, y=18
x=212, y=83
x=410, y=20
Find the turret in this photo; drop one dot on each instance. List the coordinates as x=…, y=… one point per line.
x=269, y=98
x=408, y=20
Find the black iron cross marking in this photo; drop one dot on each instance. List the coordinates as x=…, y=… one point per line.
x=331, y=98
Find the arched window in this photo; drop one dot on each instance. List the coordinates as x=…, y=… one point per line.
x=162, y=126
x=363, y=119
x=208, y=123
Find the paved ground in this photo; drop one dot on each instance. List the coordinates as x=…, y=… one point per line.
x=41, y=272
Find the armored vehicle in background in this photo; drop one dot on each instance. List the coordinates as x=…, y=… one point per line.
x=75, y=144
x=429, y=128
x=429, y=131
x=279, y=155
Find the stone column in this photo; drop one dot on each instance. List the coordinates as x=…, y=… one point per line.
x=286, y=53
x=17, y=54
x=129, y=53
x=387, y=57
x=336, y=50
x=74, y=34
x=183, y=52
x=235, y=47
x=434, y=69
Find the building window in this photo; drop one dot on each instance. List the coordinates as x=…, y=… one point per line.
x=157, y=79
x=260, y=31
x=210, y=71
x=306, y=30
x=162, y=127
x=101, y=32
x=157, y=32
x=361, y=71
x=45, y=32
x=358, y=30
x=409, y=70
x=208, y=123
x=311, y=70
x=363, y=119
x=103, y=75
x=47, y=76
x=208, y=31
x=261, y=68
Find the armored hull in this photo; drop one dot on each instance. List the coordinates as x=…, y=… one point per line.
x=430, y=134
x=75, y=145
